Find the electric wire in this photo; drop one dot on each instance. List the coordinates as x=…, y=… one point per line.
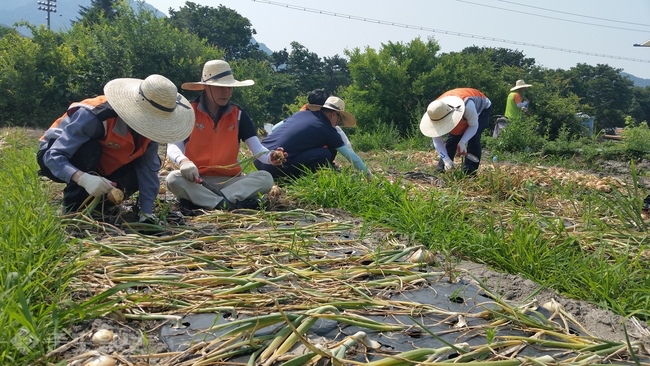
x=573, y=14
x=554, y=18
x=446, y=32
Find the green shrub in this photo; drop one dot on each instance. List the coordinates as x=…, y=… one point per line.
x=382, y=137
x=519, y=136
x=636, y=139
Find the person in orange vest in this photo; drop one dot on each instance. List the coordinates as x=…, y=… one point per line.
x=112, y=140
x=463, y=114
x=209, y=174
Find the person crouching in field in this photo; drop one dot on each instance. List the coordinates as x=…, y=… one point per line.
x=311, y=140
x=462, y=114
x=209, y=174
x=112, y=140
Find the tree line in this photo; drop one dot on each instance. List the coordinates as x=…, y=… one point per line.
x=390, y=86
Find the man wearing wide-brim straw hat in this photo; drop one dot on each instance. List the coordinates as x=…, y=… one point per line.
x=311, y=140
x=463, y=114
x=112, y=140
x=209, y=175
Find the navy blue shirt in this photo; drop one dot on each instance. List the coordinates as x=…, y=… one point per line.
x=304, y=131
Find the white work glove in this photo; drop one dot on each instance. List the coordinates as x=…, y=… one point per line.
x=150, y=219
x=95, y=185
x=189, y=171
x=449, y=164
x=461, y=148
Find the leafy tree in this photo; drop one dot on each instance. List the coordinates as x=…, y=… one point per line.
x=34, y=77
x=603, y=91
x=96, y=10
x=280, y=58
x=555, y=105
x=393, y=85
x=335, y=73
x=6, y=30
x=640, y=105
x=306, y=68
x=222, y=27
x=502, y=57
x=135, y=44
x=265, y=100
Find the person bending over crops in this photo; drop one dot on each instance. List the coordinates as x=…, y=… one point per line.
x=516, y=106
x=311, y=140
x=463, y=114
x=112, y=140
x=210, y=176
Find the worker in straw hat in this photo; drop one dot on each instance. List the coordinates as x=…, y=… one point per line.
x=209, y=174
x=311, y=140
x=516, y=106
x=463, y=114
x=315, y=100
x=112, y=140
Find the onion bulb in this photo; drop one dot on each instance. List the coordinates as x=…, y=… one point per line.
x=103, y=336
x=423, y=256
x=101, y=361
x=115, y=196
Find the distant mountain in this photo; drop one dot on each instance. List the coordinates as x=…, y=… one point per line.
x=637, y=81
x=262, y=46
x=66, y=12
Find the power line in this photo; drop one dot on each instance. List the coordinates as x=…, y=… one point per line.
x=433, y=30
x=573, y=14
x=554, y=18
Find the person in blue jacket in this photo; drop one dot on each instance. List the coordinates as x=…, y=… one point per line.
x=311, y=141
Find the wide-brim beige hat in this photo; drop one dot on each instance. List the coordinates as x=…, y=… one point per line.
x=337, y=104
x=520, y=84
x=442, y=116
x=216, y=73
x=152, y=107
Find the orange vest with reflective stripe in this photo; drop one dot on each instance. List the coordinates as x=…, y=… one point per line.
x=462, y=93
x=211, y=149
x=118, y=145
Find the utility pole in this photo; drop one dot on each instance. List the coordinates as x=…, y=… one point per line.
x=50, y=7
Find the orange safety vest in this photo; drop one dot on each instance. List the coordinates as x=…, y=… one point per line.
x=464, y=94
x=209, y=148
x=118, y=145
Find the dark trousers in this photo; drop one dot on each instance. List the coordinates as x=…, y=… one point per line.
x=297, y=165
x=473, y=145
x=86, y=159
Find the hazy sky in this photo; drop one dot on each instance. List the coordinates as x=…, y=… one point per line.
x=556, y=33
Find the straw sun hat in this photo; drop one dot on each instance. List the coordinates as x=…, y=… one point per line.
x=152, y=107
x=336, y=104
x=520, y=84
x=442, y=116
x=216, y=73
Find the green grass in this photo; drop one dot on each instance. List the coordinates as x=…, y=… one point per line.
x=604, y=262
x=38, y=261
